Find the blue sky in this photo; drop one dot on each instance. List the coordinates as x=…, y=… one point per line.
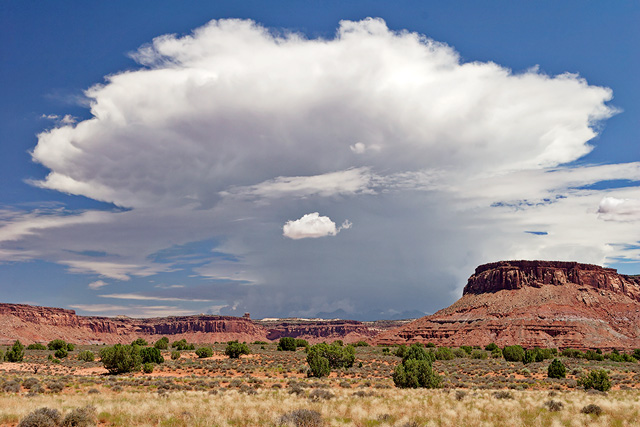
x=311, y=159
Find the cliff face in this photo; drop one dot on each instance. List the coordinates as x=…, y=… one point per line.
x=42, y=324
x=535, y=303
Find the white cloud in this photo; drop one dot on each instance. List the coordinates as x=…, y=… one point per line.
x=151, y=297
x=97, y=284
x=612, y=209
x=224, y=132
x=143, y=311
x=312, y=226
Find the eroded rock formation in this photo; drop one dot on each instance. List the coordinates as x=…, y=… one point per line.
x=535, y=303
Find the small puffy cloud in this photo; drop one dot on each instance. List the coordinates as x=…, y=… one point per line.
x=312, y=226
x=613, y=209
x=97, y=284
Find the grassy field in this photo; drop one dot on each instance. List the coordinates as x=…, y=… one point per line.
x=271, y=388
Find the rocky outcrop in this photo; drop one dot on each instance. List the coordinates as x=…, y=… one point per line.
x=43, y=324
x=535, y=303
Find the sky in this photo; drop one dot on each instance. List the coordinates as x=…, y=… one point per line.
x=299, y=159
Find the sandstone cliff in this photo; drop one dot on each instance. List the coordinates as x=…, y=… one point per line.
x=43, y=324
x=535, y=303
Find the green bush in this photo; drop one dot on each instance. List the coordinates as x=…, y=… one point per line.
x=513, y=353
x=36, y=346
x=400, y=351
x=57, y=345
x=318, y=365
x=182, y=345
x=338, y=356
x=534, y=355
x=413, y=373
x=302, y=343
x=121, y=359
x=147, y=368
x=235, y=349
x=479, y=354
x=361, y=344
x=175, y=355
x=287, y=344
x=70, y=347
x=86, y=356
x=467, y=348
x=444, y=353
x=162, y=343
x=574, y=354
x=496, y=353
x=204, y=352
x=556, y=369
x=140, y=342
x=460, y=353
x=491, y=347
x=417, y=352
x=598, y=380
x=61, y=353
x=15, y=353
x=592, y=355
x=1, y=356
x=150, y=355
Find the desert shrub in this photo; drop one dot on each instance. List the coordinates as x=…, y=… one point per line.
x=400, y=351
x=30, y=382
x=70, y=346
x=338, y=343
x=287, y=344
x=339, y=356
x=547, y=353
x=204, y=352
x=556, y=369
x=15, y=353
x=86, y=356
x=320, y=394
x=503, y=394
x=460, y=394
x=140, y=342
x=572, y=353
x=80, y=417
x=361, y=344
x=182, y=345
x=147, y=368
x=444, y=353
x=1, y=356
x=11, y=387
x=430, y=345
x=121, y=359
x=236, y=349
x=318, y=365
x=529, y=357
x=414, y=373
x=496, y=353
x=591, y=409
x=592, y=355
x=478, y=354
x=162, y=343
x=61, y=353
x=150, y=355
x=554, y=405
x=302, y=343
x=460, y=353
x=491, y=347
x=467, y=348
x=417, y=352
x=513, y=353
x=175, y=355
x=302, y=418
x=56, y=387
x=597, y=380
x=41, y=417
x=57, y=344
x=36, y=346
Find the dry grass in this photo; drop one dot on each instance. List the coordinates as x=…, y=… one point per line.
x=263, y=388
x=391, y=407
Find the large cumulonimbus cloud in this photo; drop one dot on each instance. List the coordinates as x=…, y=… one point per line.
x=229, y=132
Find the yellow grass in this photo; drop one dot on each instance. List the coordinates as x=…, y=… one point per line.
x=387, y=407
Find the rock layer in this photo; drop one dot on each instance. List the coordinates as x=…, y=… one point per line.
x=42, y=324
x=535, y=303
